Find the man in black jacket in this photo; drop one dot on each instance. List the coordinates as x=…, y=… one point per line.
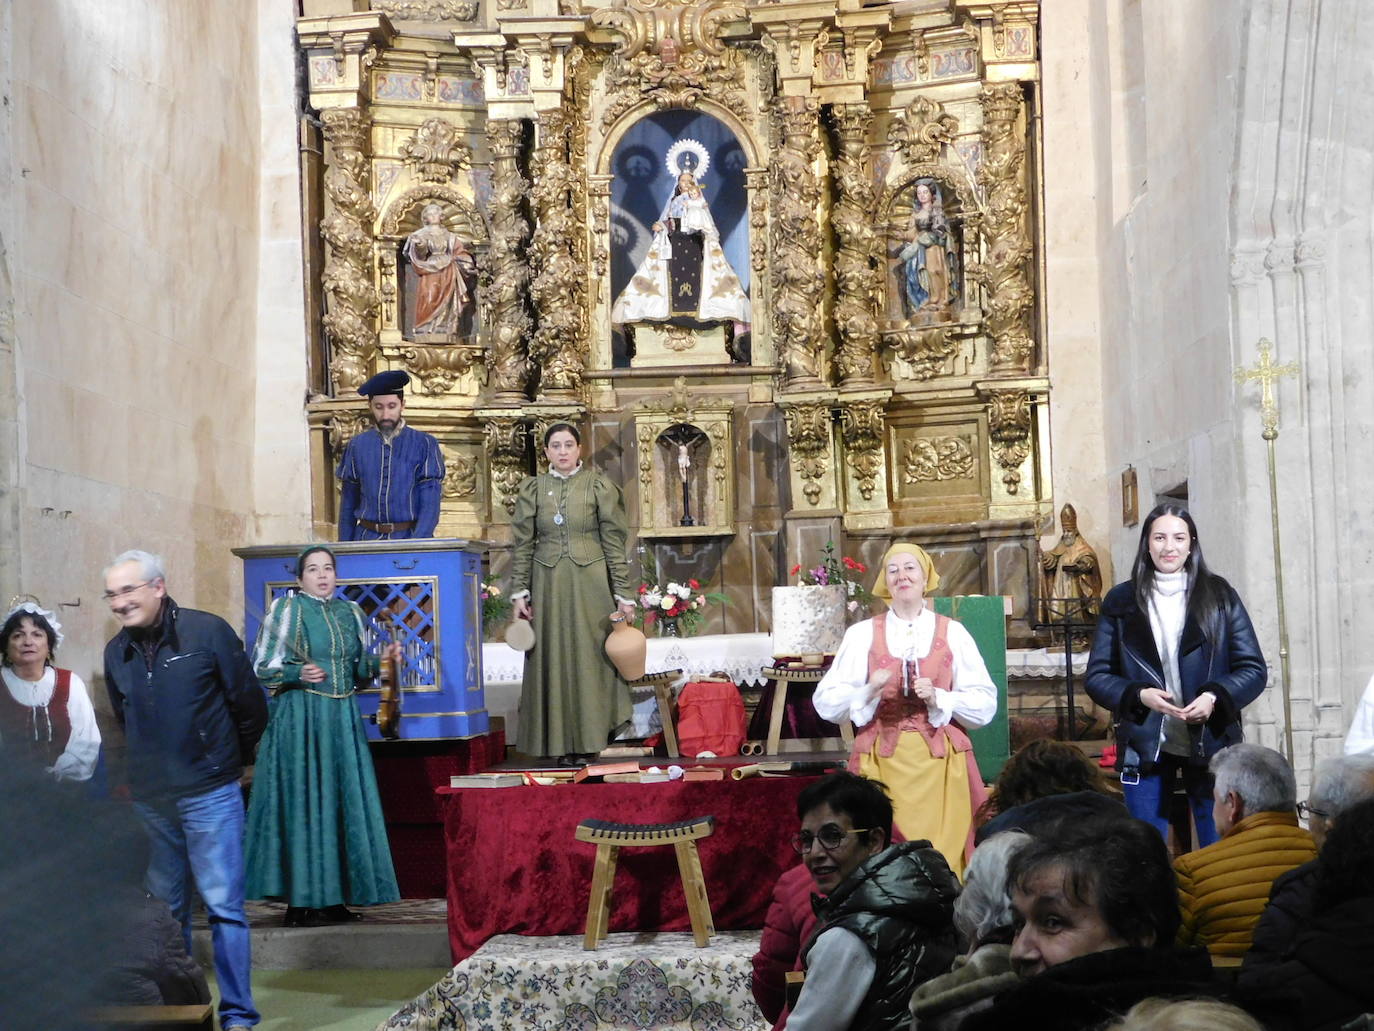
x=192, y=711
x=887, y=923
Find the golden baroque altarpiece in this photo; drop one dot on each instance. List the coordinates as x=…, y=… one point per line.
x=875, y=365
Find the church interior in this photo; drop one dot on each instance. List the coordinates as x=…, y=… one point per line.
x=810, y=279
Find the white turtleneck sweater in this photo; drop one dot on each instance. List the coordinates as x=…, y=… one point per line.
x=1168, y=610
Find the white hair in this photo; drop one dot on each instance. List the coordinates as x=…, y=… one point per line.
x=150, y=565
x=984, y=906
x=1260, y=776
x=1341, y=782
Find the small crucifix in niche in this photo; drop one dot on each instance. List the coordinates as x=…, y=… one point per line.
x=682, y=440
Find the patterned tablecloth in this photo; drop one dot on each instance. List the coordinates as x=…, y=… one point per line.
x=645, y=982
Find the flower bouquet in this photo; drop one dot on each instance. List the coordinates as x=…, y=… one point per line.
x=496, y=609
x=838, y=571
x=675, y=608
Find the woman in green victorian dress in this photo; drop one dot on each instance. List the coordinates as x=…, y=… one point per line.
x=569, y=573
x=315, y=831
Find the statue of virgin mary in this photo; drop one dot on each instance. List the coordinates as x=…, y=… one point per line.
x=685, y=274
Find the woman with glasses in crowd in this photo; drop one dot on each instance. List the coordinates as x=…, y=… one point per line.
x=1175, y=658
x=911, y=681
x=45, y=712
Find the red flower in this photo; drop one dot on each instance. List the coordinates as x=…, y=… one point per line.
x=796, y=569
x=859, y=567
x=694, y=585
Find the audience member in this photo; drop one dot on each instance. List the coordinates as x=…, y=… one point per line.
x=192, y=711
x=789, y=924
x=1185, y=1015
x=45, y=712
x=984, y=921
x=886, y=925
x=1097, y=912
x=1223, y=888
x=1338, y=785
x=1045, y=781
x=1330, y=964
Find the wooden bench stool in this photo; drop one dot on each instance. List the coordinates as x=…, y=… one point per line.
x=783, y=677
x=147, y=1018
x=609, y=838
x=662, y=683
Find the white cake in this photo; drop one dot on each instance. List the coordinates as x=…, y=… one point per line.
x=808, y=620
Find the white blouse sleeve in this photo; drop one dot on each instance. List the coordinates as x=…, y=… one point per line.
x=842, y=692
x=83, y=748
x=972, y=699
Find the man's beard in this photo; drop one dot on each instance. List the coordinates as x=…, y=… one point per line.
x=388, y=425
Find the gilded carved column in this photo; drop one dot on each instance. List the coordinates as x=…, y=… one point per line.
x=557, y=287
x=811, y=447
x=853, y=218
x=507, y=295
x=506, y=440
x=1009, y=431
x=1005, y=273
x=351, y=300
x=861, y=426
x=798, y=279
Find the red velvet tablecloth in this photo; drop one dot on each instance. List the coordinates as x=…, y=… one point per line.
x=514, y=866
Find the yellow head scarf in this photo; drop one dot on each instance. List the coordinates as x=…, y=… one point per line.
x=906, y=548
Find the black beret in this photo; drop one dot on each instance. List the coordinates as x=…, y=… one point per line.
x=392, y=381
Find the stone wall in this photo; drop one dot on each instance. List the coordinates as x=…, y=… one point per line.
x=152, y=257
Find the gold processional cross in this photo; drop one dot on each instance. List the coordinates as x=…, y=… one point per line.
x=1268, y=373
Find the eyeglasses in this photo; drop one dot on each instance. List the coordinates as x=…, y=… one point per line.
x=125, y=591
x=830, y=837
x=1307, y=810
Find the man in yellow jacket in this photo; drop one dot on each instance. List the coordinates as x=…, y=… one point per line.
x=1224, y=887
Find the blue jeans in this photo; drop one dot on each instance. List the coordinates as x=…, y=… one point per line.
x=1149, y=799
x=201, y=838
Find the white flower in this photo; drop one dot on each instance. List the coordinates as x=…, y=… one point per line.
x=667, y=603
x=681, y=590
x=650, y=599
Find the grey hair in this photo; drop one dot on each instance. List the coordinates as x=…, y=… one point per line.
x=984, y=906
x=1260, y=776
x=150, y=565
x=1341, y=782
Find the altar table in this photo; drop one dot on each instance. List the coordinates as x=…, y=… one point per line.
x=515, y=867
x=659, y=981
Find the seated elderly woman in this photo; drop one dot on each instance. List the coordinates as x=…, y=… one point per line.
x=1043, y=782
x=45, y=712
x=1096, y=911
x=983, y=919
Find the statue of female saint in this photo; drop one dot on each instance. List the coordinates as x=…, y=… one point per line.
x=445, y=271
x=685, y=273
x=929, y=261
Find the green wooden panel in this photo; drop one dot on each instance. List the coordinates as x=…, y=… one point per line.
x=984, y=617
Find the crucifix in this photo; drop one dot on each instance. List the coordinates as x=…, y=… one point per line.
x=1268, y=373
x=682, y=438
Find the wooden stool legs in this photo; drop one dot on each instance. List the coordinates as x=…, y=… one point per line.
x=693, y=889
x=599, y=905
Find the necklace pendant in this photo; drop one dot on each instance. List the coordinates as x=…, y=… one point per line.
x=558, y=519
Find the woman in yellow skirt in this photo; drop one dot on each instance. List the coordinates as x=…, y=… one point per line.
x=910, y=681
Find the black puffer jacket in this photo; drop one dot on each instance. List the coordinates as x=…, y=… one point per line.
x=900, y=904
x=1124, y=661
x=193, y=715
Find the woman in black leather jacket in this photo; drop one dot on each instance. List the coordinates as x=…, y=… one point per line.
x=1176, y=660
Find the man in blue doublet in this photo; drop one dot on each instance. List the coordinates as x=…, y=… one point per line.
x=391, y=475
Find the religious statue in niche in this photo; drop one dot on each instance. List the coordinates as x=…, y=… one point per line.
x=929, y=258
x=441, y=280
x=684, y=274
x=1070, y=577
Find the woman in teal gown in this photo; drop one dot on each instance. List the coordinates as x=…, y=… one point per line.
x=315, y=833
